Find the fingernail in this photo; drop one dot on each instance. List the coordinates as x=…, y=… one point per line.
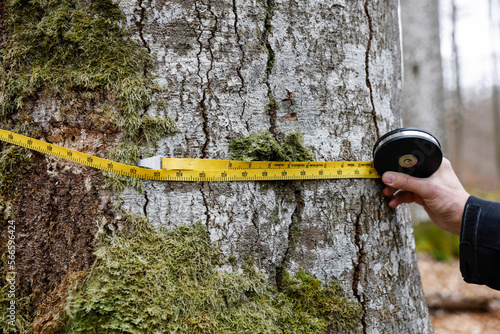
x=388, y=178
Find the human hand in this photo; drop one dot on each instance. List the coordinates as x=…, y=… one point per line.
x=441, y=194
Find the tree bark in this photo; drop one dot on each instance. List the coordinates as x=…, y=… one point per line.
x=229, y=68
x=423, y=96
x=222, y=62
x=495, y=103
x=458, y=105
x=422, y=79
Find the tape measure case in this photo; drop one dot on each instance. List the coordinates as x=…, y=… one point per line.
x=412, y=151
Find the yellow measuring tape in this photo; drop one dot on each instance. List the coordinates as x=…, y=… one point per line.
x=173, y=169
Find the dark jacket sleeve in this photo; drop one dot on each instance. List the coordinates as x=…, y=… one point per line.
x=480, y=243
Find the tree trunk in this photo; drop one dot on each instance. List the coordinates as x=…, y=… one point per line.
x=222, y=62
x=495, y=103
x=458, y=105
x=422, y=79
x=423, y=99
x=328, y=69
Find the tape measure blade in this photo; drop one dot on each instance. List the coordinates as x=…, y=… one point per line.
x=76, y=156
x=205, y=169
x=194, y=164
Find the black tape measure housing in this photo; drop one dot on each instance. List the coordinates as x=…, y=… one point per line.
x=412, y=151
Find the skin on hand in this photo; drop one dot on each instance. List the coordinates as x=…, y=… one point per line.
x=441, y=194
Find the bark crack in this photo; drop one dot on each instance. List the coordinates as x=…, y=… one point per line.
x=238, y=41
x=367, y=67
x=207, y=86
x=198, y=39
x=358, y=266
x=204, y=116
x=294, y=234
x=205, y=203
x=213, y=30
x=272, y=107
x=145, y=207
x=140, y=26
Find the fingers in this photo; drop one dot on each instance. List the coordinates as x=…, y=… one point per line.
x=405, y=197
x=404, y=182
x=389, y=191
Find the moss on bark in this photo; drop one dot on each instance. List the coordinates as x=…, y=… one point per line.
x=262, y=146
x=76, y=60
x=80, y=53
x=170, y=280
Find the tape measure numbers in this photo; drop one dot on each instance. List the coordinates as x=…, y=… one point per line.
x=408, y=150
x=173, y=169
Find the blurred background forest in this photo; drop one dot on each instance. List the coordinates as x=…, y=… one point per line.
x=451, y=51
x=451, y=82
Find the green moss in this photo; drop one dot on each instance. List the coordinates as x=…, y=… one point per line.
x=262, y=146
x=71, y=48
x=271, y=107
x=127, y=153
x=440, y=244
x=293, y=147
x=81, y=53
x=169, y=280
x=23, y=318
x=12, y=159
x=232, y=259
x=310, y=299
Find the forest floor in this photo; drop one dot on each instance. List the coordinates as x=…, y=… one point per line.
x=457, y=307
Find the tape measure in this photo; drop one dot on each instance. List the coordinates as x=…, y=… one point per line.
x=408, y=150
x=196, y=170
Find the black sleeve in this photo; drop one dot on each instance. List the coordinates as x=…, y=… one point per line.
x=480, y=243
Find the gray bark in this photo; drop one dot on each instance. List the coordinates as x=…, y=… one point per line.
x=458, y=105
x=495, y=103
x=221, y=62
x=423, y=79
x=423, y=95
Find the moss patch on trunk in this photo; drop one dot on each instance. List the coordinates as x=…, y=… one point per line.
x=262, y=146
x=81, y=54
x=171, y=281
x=76, y=64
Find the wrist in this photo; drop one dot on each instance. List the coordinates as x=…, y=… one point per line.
x=460, y=204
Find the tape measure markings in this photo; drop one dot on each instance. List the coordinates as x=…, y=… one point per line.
x=194, y=170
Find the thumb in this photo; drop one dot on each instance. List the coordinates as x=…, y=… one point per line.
x=404, y=182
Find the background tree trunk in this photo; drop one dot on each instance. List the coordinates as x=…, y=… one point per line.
x=423, y=95
x=334, y=70
x=458, y=104
x=423, y=99
x=493, y=9
x=222, y=62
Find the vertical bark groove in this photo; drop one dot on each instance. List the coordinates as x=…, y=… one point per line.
x=140, y=26
x=271, y=58
x=212, y=35
x=205, y=203
x=294, y=231
x=204, y=115
x=367, y=67
x=205, y=86
x=238, y=41
x=357, y=267
x=145, y=207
